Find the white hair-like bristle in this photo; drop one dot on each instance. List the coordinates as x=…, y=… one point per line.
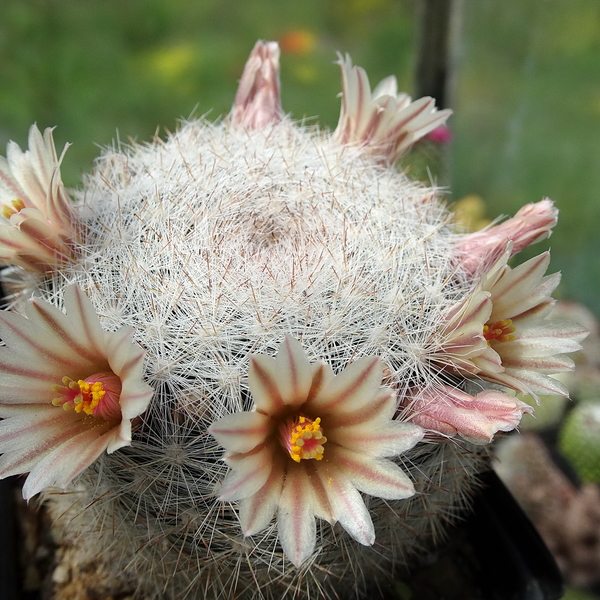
x=215, y=244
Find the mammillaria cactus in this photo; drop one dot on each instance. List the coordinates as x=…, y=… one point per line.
x=325, y=357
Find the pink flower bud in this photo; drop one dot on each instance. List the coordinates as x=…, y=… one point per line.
x=450, y=411
x=257, y=102
x=533, y=223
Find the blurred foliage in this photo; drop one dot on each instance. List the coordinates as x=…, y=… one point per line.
x=527, y=93
x=527, y=123
x=92, y=67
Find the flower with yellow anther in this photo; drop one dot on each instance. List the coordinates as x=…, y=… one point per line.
x=504, y=330
x=281, y=461
x=54, y=360
x=38, y=224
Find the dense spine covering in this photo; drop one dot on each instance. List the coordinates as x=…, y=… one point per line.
x=214, y=246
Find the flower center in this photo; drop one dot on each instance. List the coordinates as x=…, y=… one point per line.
x=500, y=331
x=12, y=208
x=303, y=438
x=97, y=395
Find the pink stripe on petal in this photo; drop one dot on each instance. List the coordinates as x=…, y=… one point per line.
x=295, y=372
x=377, y=477
x=390, y=439
x=257, y=511
x=295, y=519
x=64, y=328
x=347, y=505
x=250, y=472
x=67, y=461
x=262, y=381
x=349, y=390
x=240, y=432
x=381, y=408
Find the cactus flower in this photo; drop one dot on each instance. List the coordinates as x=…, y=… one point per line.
x=384, y=122
x=504, y=330
x=449, y=411
x=532, y=223
x=68, y=392
x=37, y=224
x=313, y=442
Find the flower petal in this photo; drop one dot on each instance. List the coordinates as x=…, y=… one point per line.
x=347, y=504
x=380, y=409
x=377, y=477
x=295, y=373
x=348, y=391
x=257, y=102
x=257, y=511
x=296, y=517
x=384, y=122
x=240, y=432
x=249, y=473
x=389, y=439
x=67, y=461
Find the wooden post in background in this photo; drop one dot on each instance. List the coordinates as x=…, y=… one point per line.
x=438, y=43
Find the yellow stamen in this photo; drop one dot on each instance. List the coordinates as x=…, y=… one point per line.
x=8, y=210
x=85, y=396
x=90, y=396
x=500, y=331
x=306, y=439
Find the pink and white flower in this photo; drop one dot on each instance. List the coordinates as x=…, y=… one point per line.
x=504, y=330
x=312, y=443
x=533, y=222
x=384, y=122
x=37, y=223
x=450, y=411
x=68, y=391
x=257, y=101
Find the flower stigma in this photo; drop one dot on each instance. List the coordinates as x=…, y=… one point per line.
x=500, y=331
x=97, y=395
x=303, y=438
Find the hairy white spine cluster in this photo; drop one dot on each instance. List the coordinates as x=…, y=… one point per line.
x=212, y=245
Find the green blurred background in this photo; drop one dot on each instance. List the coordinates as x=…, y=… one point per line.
x=526, y=87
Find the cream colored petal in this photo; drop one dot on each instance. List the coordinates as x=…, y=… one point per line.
x=348, y=391
x=381, y=408
x=377, y=477
x=263, y=383
x=126, y=360
x=67, y=461
x=241, y=432
x=296, y=518
x=389, y=439
x=522, y=288
x=32, y=433
x=249, y=473
x=256, y=512
x=295, y=372
x=347, y=504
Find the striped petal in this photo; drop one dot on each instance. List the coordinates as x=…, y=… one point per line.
x=59, y=467
x=248, y=475
x=389, y=439
x=241, y=432
x=347, y=504
x=348, y=391
x=380, y=478
x=296, y=518
x=257, y=511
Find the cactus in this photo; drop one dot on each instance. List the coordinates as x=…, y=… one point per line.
x=208, y=248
